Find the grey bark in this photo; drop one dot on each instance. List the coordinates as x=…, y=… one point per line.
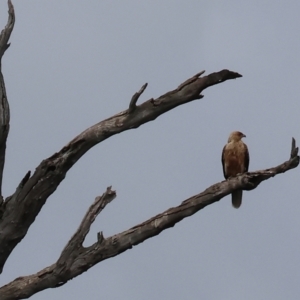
x=19, y=210
x=4, y=107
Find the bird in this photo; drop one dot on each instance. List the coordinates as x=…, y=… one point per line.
x=235, y=160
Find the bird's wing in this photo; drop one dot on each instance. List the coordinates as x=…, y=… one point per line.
x=223, y=162
x=246, y=158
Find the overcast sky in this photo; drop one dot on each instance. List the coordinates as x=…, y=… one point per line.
x=73, y=63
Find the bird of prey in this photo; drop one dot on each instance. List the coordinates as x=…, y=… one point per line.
x=235, y=160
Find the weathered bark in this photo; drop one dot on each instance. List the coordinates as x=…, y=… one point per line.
x=76, y=259
x=4, y=107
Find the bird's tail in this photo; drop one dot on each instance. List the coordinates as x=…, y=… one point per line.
x=236, y=198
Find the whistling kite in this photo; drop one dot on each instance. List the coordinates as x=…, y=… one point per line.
x=235, y=160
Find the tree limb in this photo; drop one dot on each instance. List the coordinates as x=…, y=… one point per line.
x=6, y=32
x=4, y=107
x=76, y=259
x=74, y=246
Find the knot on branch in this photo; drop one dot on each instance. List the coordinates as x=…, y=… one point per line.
x=250, y=181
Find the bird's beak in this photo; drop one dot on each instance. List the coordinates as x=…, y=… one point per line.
x=244, y=135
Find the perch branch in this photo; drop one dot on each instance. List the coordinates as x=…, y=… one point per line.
x=84, y=258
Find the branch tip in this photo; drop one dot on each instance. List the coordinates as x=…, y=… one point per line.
x=10, y=7
x=109, y=191
x=6, y=32
x=199, y=74
x=294, y=149
x=100, y=237
x=25, y=179
x=135, y=97
x=108, y=196
x=143, y=88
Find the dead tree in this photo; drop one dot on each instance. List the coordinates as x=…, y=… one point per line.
x=18, y=211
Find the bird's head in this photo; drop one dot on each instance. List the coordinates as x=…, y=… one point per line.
x=235, y=136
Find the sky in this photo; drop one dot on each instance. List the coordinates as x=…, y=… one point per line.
x=74, y=63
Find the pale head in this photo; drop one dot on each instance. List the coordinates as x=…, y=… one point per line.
x=235, y=136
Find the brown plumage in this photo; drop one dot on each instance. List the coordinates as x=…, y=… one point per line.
x=235, y=160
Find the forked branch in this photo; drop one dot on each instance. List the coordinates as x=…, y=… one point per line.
x=74, y=246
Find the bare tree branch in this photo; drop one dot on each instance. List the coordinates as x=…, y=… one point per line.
x=76, y=259
x=6, y=32
x=23, y=206
x=4, y=107
x=74, y=246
